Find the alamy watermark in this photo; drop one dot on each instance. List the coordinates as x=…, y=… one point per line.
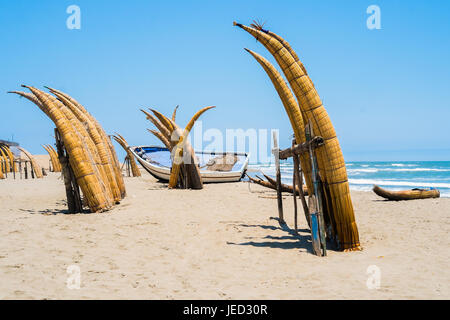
x=74, y=277
x=74, y=20
x=256, y=142
x=374, y=279
x=373, y=22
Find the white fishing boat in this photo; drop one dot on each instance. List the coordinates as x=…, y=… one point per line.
x=214, y=166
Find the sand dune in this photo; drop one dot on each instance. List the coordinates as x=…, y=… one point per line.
x=222, y=242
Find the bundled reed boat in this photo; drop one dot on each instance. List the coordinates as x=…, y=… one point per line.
x=214, y=166
x=303, y=105
x=412, y=194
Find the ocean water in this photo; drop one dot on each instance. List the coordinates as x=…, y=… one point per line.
x=391, y=175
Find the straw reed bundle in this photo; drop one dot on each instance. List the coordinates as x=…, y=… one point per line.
x=180, y=148
x=109, y=148
x=80, y=157
x=165, y=132
x=412, y=194
x=161, y=137
x=36, y=168
x=5, y=161
x=174, y=114
x=2, y=167
x=292, y=109
x=98, y=145
x=330, y=159
x=2, y=176
x=11, y=158
x=178, y=152
x=124, y=144
x=175, y=139
x=53, y=158
x=90, y=152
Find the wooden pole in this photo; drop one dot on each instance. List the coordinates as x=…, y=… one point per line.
x=20, y=169
x=26, y=169
x=309, y=133
x=32, y=170
x=3, y=168
x=128, y=166
x=295, y=183
x=302, y=193
x=74, y=203
x=276, y=153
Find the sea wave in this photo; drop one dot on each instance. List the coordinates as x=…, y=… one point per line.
x=403, y=165
x=373, y=170
x=399, y=183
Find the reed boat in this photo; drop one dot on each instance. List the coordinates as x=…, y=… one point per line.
x=407, y=194
x=214, y=166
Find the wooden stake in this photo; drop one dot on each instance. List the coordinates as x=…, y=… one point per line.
x=72, y=189
x=32, y=170
x=299, y=177
x=276, y=153
x=309, y=133
x=295, y=183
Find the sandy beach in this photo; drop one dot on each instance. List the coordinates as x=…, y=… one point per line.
x=222, y=242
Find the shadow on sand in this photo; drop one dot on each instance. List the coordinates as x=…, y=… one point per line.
x=52, y=212
x=292, y=241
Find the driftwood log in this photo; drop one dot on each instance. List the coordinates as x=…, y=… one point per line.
x=271, y=183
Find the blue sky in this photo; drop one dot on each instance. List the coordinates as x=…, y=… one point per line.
x=386, y=91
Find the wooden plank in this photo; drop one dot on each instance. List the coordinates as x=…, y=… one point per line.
x=319, y=226
x=276, y=152
x=295, y=183
x=301, y=148
x=299, y=179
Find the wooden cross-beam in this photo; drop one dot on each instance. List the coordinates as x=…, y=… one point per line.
x=301, y=148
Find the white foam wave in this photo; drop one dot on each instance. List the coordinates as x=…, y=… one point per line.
x=403, y=165
x=399, y=183
x=373, y=170
x=369, y=170
x=421, y=169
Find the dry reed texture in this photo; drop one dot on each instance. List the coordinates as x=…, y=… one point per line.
x=91, y=154
x=124, y=144
x=56, y=165
x=292, y=109
x=180, y=147
x=111, y=153
x=6, y=166
x=11, y=158
x=55, y=156
x=175, y=139
x=161, y=137
x=98, y=145
x=331, y=163
x=406, y=194
x=36, y=168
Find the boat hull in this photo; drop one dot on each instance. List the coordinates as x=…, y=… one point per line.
x=163, y=173
x=406, y=194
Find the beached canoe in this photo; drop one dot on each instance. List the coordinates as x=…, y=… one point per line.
x=407, y=194
x=214, y=166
